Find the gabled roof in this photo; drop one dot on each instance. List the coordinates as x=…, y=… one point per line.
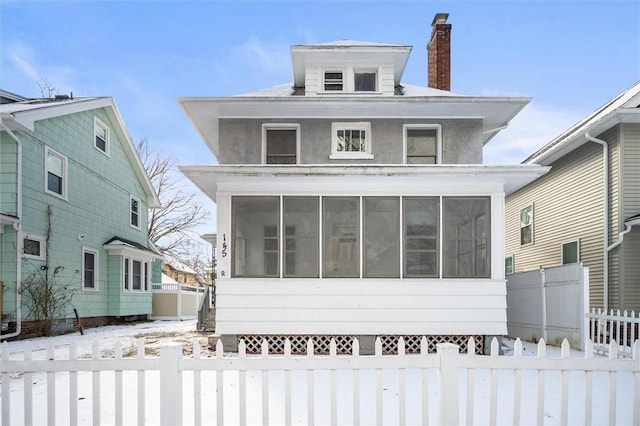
x=22, y=116
x=123, y=246
x=8, y=97
x=624, y=108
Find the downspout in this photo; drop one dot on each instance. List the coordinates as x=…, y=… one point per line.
x=18, y=228
x=605, y=172
x=627, y=229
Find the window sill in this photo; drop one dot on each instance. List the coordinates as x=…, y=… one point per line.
x=351, y=156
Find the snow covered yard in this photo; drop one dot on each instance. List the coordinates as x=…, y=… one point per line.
x=158, y=333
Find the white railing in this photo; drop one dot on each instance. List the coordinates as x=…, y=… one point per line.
x=74, y=387
x=624, y=329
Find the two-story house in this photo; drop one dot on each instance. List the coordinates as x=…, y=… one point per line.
x=350, y=204
x=73, y=213
x=587, y=208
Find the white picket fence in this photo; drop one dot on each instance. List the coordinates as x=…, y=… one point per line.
x=442, y=388
x=624, y=329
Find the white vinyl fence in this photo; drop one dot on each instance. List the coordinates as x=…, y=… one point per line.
x=442, y=388
x=176, y=301
x=549, y=304
x=623, y=329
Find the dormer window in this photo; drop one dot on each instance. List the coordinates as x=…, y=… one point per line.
x=364, y=81
x=333, y=81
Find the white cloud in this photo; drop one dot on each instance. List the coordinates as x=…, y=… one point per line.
x=529, y=131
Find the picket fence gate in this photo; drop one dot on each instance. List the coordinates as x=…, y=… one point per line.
x=451, y=403
x=624, y=329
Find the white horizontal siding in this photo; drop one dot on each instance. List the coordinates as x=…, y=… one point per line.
x=259, y=306
x=387, y=84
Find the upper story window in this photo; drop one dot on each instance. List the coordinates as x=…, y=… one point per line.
x=55, y=173
x=34, y=247
x=135, y=212
x=364, y=81
x=333, y=81
x=422, y=144
x=351, y=140
x=280, y=143
x=101, y=135
x=526, y=225
x=350, y=80
x=571, y=252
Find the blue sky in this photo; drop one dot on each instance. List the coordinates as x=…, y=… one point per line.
x=569, y=56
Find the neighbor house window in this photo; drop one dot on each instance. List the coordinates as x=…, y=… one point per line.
x=508, y=265
x=571, y=252
x=34, y=247
x=526, y=225
x=135, y=212
x=364, y=81
x=422, y=144
x=89, y=269
x=101, y=135
x=256, y=236
x=351, y=140
x=136, y=274
x=466, y=237
x=55, y=173
x=280, y=144
x=333, y=81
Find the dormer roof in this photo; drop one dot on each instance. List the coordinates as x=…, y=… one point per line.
x=348, y=52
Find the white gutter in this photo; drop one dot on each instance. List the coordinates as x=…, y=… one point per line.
x=605, y=172
x=627, y=229
x=18, y=227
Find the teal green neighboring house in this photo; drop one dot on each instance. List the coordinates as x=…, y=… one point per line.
x=74, y=198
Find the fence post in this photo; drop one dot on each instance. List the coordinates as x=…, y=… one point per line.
x=448, y=354
x=171, y=384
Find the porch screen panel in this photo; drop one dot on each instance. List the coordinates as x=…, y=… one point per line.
x=256, y=236
x=421, y=236
x=466, y=237
x=341, y=237
x=382, y=237
x=301, y=237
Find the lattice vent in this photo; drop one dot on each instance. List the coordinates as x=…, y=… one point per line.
x=344, y=343
x=412, y=343
x=298, y=344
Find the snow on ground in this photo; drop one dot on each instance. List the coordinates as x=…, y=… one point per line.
x=157, y=333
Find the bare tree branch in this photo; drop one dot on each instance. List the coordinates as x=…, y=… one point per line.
x=171, y=227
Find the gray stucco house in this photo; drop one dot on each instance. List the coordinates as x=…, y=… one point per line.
x=351, y=204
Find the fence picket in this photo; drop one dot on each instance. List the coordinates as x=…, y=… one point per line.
x=613, y=354
x=118, y=388
x=197, y=386
x=310, y=386
x=242, y=386
x=636, y=384
x=95, y=350
x=517, y=384
x=6, y=390
x=219, y=385
x=333, y=384
x=424, y=352
x=588, y=381
x=470, y=382
x=73, y=388
x=542, y=349
x=28, y=388
x=265, y=384
x=564, y=388
x=379, y=402
x=287, y=383
x=493, y=410
x=51, y=389
x=355, y=348
x=141, y=384
x=402, y=400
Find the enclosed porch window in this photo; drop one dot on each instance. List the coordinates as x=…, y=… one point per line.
x=361, y=237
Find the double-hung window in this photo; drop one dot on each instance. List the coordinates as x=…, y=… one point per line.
x=89, y=269
x=55, y=173
x=280, y=143
x=134, y=216
x=351, y=141
x=526, y=225
x=136, y=274
x=101, y=136
x=422, y=144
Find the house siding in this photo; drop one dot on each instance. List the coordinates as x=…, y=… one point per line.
x=576, y=180
x=629, y=251
x=8, y=174
x=241, y=140
x=99, y=189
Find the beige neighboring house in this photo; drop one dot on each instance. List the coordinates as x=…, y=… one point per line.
x=561, y=217
x=180, y=272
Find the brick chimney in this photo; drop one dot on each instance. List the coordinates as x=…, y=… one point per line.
x=439, y=53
